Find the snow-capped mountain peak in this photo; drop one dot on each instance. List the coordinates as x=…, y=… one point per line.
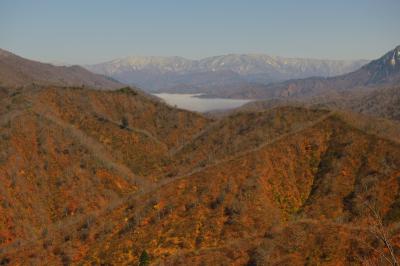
x=153, y=72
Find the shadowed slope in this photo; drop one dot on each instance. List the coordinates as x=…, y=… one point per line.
x=16, y=71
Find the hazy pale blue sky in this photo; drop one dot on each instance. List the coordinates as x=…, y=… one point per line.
x=89, y=31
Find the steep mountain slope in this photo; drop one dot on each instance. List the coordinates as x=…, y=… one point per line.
x=229, y=208
x=382, y=71
x=16, y=71
x=148, y=128
x=270, y=173
x=173, y=73
x=242, y=131
x=69, y=152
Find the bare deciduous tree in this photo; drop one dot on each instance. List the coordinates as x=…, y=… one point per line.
x=379, y=230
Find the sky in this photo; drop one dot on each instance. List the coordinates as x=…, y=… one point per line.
x=93, y=31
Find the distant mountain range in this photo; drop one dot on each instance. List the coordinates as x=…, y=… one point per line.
x=384, y=71
x=16, y=71
x=374, y=90
x=179, y=74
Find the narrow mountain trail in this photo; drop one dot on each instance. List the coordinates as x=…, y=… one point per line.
x=140, y=131
x=259, y=147
x=75, y=221
x=175, y=150
x=96, y=148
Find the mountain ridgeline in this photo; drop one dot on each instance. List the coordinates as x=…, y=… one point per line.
x=177, y=74
x=16, y=71
x=384, y=71
x=374, y=89
x=112, y=176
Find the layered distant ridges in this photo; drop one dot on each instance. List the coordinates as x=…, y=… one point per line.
x=143, y=70
x=384, y=71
